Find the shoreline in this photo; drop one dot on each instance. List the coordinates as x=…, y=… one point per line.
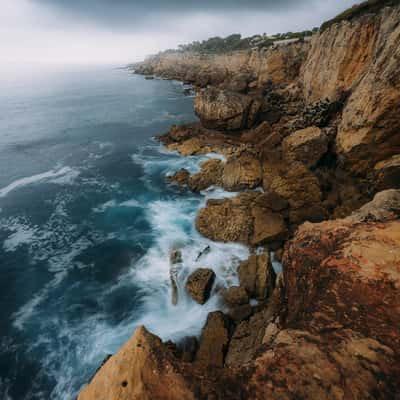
x=329, y=210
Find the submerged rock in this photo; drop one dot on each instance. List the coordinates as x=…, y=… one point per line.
x=199, y=284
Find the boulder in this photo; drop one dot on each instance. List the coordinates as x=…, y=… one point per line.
x=242, y=171
x=257, y=276
x=240, y=313
x=227, y=220
x=199, y=284
x=210, y=174
x=223, y=110
x=236, y=295
x=241, y=219
x=214, y=340
x=306, y=145
x=387, y=174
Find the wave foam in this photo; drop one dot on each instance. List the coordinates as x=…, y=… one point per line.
x=65, y=175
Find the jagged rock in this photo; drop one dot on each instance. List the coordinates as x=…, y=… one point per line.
x=240, y=313
x=241, y=172
x=238, y=83
x=187, y=348
x=210, y=174
x=307, y=145
x=387, y=174
x=199, y=284
x=236, y=295
x=138, y=371
x=181, y=177
x=214, y=340
x=223, y=110
x=257, y=276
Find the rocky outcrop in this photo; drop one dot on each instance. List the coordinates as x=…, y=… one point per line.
x=210, y=175
x=241, y=219
x=223, y=110
x=199, y=284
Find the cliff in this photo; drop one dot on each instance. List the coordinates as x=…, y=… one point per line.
x=314, y=125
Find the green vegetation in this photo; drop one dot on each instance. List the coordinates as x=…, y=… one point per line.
x=218, y=45
x=367, y=7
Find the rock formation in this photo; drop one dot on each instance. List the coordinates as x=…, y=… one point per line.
x=315, y=124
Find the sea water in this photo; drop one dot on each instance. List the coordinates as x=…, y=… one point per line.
x=87, y=223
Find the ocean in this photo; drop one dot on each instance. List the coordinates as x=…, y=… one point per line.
x=87, y=223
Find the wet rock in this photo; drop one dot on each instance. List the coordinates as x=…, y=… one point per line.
x=181, y=177
x=214, y=340
x=199, y=284
x=175, y=260
x=242, y=172
x=210, y=174
x=387, y=174
x=236, y=295
x=307, y=145
x=227, y=220
x=257, y=276
x=223, y=110
x=187, y=348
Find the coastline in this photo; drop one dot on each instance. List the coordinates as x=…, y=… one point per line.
x=329, y=208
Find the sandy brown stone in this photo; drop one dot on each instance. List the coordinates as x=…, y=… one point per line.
x=306, y=145
x=214, y=340
x=257, y=276
x=199, y=284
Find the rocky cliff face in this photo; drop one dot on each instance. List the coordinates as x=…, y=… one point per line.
x=315, y=127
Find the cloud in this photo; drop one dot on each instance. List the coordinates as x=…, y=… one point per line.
x=119, y=31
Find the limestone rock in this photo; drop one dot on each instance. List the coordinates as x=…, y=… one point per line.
x=269, y=227
x=306, y=145
x=214, y=340
x=242, y=172
x=181, y=177
x=223, y=110
x=138, y=371
x=236, y=295
x=227, y=220
x=257, y=276
x=199, y=284
x=210, y=174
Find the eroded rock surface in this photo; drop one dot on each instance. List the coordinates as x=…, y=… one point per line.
x=199, y=284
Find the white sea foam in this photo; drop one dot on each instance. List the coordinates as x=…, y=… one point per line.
x=62, y=175
x=22, y=235
x=113, y=204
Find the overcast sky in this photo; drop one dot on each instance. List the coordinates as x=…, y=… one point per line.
x=120, y=31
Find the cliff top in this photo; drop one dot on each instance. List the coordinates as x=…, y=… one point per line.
x=367, y=7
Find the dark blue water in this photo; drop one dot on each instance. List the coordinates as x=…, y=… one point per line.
x=87, y=222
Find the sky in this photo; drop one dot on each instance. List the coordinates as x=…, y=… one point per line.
x=122, y=31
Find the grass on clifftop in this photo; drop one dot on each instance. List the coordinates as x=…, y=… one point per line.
x=367, y=7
